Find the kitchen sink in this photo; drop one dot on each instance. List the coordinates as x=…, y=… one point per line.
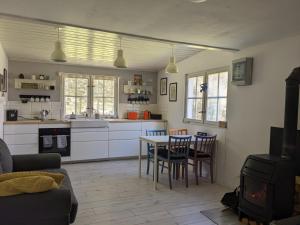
x=88, y=122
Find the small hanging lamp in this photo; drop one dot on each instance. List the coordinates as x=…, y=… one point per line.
x=120, y=61
x=58, y=54
x=172, y=67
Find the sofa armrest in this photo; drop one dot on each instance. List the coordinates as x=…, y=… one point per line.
x=36, y=162
x=54, y=205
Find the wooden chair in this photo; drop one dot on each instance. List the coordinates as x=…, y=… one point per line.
x=176, y=131
x=203, y=151
x=150, y=148
x=177, y=154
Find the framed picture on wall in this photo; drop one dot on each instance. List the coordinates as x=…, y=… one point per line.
x=163, y=86
x=5, y=79
x=173, y=92
x=1, y=83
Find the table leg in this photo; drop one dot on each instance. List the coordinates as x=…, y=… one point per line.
x=140, y=159
x=155, y=167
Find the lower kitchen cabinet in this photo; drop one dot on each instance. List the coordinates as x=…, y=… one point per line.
x=89, y=150
x=123, y=148
x=23, y=149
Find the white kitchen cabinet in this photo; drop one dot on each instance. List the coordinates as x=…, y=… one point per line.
x=89, y=136
x=125, y=126
x=89, y=150
x=123, y=148
x=21, y=139
x=89, y=143
x=124, y=135
x=23, y=149
x=21, y=129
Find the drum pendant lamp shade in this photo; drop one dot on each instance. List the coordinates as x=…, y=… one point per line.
x=172, y=67
x=58, y=54
x=120, y=61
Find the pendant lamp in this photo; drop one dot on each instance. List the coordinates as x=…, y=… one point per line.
x=120, y=61
x=172, y=67
x=58, y=54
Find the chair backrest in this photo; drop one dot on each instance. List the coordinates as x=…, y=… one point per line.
x=200, y=133
x=179, y=146
x=6, y=162
x=155, y=133
x=205, y=145
x=178, y=131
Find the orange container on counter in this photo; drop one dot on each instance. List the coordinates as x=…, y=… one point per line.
x=147, y=115
x=132, y=115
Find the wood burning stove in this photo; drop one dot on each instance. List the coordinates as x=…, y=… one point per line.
x=267, y=188
x=268, y=181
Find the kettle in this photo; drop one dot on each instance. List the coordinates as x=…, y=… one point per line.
x=44, y=113
x=147, y=115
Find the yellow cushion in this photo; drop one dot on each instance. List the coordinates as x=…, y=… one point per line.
x=28, y=182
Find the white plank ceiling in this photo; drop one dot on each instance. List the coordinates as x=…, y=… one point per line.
x=32, y=41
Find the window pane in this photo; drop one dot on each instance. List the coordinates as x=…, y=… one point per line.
x=109, y=86
x=82, y=87
x=200, y=81
x=212, y=108
x=223, y=82
x=70, y=84
x=70, y=105
x=109, y=106
x=98, y=88
x=191, y=108
x=192, y=87
x=98, y=105
x=222, y=109
x=212, y=90
x=198, y=112
x=81, y=105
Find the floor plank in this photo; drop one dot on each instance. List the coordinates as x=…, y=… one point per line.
x=110, y=192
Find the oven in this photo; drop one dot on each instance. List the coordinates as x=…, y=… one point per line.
x=55, y=140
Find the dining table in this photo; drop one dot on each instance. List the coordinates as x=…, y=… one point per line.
x=156, y=141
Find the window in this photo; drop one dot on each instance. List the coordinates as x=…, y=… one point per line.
x=206, y=96
x=90, y=93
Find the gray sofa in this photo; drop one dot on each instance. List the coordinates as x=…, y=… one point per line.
x=55, y=207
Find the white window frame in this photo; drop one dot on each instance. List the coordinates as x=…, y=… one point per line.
x=204, y=73
x=90, y=97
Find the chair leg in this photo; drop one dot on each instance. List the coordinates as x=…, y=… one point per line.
x=177, y=170
x=148, y=164
x=162, y=167
x=186, y=174
x=157, y=170
x=174, y=170
x=196, y=171
x=169, y=172
x=211, y=171
x=182, y=172
x=200, y=168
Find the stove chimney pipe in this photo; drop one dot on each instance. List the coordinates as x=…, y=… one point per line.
x=291, y=115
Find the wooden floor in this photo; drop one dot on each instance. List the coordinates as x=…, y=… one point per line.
x=110, y=193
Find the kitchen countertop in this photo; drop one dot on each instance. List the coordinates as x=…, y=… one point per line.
x=68, y=121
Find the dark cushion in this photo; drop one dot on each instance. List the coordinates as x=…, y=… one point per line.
x=6, y=162
x=173, y=156
x=66, y=185
x=199, y=154
x=36, y=162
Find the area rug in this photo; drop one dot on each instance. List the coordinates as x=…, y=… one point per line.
x=222, y=216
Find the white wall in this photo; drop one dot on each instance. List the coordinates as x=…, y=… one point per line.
x=3, y=96
x=251, y=109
